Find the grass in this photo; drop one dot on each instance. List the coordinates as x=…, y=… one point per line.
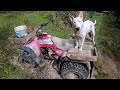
x=8, y=71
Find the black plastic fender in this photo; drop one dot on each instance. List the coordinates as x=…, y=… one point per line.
x=67, y=59
x=38, y=60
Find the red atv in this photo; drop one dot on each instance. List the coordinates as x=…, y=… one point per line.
x=69, y=62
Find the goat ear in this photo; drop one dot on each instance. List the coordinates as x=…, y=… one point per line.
x=71, y=17
x=81, y=15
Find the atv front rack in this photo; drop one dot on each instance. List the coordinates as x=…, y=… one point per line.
x=22, y=40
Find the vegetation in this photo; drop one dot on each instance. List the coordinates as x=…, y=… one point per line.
x=107, y=39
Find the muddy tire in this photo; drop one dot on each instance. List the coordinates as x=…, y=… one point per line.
x=70, y=70
x=27, y=61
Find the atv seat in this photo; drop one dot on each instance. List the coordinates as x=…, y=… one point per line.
x=63, y=44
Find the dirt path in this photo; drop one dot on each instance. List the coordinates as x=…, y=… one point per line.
x=47, y=72
x=107, y=67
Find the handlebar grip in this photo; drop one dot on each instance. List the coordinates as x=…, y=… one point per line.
x=44, y=24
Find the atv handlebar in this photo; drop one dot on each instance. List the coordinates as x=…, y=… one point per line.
x=39, y=30
x=44, y=24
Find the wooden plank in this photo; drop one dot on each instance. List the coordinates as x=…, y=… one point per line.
x=17, y=40
x=86, y=58
x=31, y=34
x=84, y=55
x=20, y=40
x=11, y=39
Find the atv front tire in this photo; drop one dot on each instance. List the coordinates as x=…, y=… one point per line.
x=27, y=62
x=70, y=70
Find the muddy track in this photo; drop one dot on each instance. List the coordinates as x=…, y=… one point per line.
x=47, y=72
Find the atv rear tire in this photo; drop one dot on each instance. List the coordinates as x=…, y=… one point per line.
x=70, y=70
x=27, y=62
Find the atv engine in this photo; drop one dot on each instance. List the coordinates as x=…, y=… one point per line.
x=49, y=54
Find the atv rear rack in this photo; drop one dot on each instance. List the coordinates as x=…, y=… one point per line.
x=89, y=52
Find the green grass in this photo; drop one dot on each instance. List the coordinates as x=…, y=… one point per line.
x=8, y=71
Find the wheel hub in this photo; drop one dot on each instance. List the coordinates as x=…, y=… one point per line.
x=73, y=75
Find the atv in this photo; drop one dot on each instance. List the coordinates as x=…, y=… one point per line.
x=68, y=61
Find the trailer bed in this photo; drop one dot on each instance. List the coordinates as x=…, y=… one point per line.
x=89, y=52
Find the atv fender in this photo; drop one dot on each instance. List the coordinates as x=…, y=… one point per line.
x=38, y=59
x=67, y=59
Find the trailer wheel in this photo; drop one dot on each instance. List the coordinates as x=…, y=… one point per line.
x=70, y=70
